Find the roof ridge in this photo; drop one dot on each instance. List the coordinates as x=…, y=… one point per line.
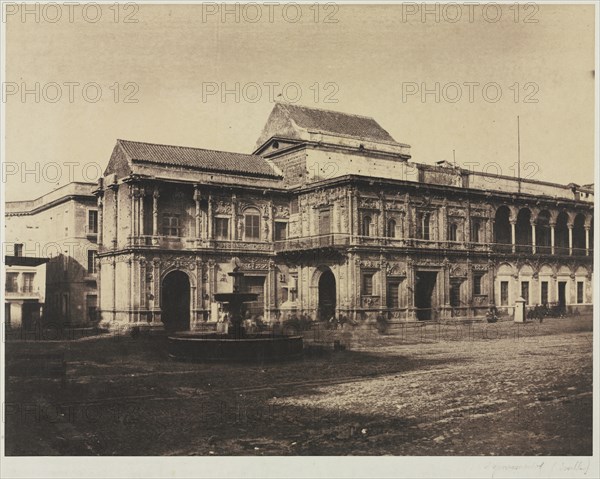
x=325, y=110
x=121, y=140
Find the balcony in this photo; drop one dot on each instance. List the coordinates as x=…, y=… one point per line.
x=187, y=243
x=507, y=248
x=331, y=240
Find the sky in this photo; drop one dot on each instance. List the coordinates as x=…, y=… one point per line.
x=161, y=79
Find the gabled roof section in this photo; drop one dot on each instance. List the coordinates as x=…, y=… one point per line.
x=127, y=154
x=299, y=122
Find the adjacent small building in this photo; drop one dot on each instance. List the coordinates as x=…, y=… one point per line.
x=24, y=292
x=62, y=228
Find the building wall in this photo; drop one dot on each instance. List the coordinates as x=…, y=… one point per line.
x=55, y=226
x=132, y=272
x=23, y=304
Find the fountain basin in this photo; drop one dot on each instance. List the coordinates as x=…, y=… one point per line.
x=218, y=347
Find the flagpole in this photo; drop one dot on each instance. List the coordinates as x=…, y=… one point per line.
x=519, y=153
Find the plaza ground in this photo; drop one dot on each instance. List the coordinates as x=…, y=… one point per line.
x=479, y=389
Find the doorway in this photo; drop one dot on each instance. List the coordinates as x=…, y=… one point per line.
x=424, y=287
x=256, y=285
x=327, y=295
x=562, y=296
x=175, y=301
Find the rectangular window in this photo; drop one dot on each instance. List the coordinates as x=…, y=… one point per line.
x=475, y=228
x=28, y=282
x=367, y=284
x=579, y=292
x=252, y=227
x=171, y=225
x=91, y=262
x=455, y=294
x=452, y=232
x=503, y=293
x=477, y=284
x=525, y=291
x=222, y=228
x=12, y=285
x=423, y=226
x=280, y=230
x=324, y=222
x=393, y=295
x=93, y=221
x=544, y=292
x=294, y=208
x=18, y=249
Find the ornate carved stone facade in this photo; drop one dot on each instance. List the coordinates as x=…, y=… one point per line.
x=439, y=243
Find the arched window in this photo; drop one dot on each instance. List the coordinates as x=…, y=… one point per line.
x=391, y=229
x=423, y=226
x=252, y=224
x=366, y=226
x=452, y=232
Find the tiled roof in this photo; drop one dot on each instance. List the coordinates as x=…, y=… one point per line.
x=336, y=123
x=198, y=159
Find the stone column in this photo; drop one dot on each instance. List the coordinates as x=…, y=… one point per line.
x=156, y=272
x=349, y=211
x=133, y=213
x=141, y=222
x=210, y=217
x=355, y=207
x=513, y=234
x=268, y=221
x=468, y=223
x=142, y=288
x=533, y=245
x=200, y=286
x=382, y=216
x=155, y=196
x=100, y=202
x=587, y=240
x=115, y=189
x=383, y=277
x=233, y=233
x=271, y=291
x=410, y=286
x=198, y=213
x=570, y=226
x=211, y=286
x=131, y=300
x=114, y=289
x=552, y=226
x=444, y=228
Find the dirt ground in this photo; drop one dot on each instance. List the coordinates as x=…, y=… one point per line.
x=480, y=389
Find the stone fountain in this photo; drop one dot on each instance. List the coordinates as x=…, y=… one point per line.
x=236, y=344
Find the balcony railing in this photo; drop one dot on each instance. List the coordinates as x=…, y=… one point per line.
x=176, y=242
x=313, y=242
x=539, y=249
x=339, y=240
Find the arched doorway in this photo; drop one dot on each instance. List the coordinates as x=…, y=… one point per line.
x=523, y=231
x=327, y=295
x=175, y=301
x=542, y=232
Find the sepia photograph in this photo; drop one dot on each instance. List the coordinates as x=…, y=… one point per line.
x=299, y=239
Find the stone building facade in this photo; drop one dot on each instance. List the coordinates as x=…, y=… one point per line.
x=330, y=216
x=62, y=227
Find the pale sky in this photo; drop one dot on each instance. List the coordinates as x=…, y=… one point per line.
x=371, y=56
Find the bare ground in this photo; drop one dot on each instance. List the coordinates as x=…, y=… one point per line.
x=429, y=390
